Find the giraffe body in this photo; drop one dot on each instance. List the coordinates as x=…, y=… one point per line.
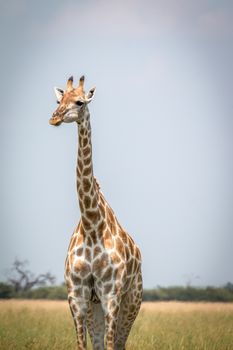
x=103, y=264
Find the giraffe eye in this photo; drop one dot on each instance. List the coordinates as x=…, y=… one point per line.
x=58, y=102
x=79, y=103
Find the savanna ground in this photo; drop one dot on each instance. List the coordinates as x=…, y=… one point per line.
x=161, y=325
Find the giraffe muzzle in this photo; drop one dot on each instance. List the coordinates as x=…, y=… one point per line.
x=55, y=120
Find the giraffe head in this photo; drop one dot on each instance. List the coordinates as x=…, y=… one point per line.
x=72, y=103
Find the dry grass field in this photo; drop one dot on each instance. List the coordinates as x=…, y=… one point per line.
x=47, y=325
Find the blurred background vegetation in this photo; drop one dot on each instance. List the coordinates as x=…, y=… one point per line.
x=214, y=294
x=23, y=284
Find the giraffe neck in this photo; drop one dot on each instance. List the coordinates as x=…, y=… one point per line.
x=88, y=194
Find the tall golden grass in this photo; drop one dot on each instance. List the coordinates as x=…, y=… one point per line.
x=38, y=324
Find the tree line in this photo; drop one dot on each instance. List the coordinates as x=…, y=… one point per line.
x=211, y=294
x=23, y=284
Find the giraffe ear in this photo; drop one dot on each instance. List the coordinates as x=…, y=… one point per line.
x=59, y=93
x=90, y=95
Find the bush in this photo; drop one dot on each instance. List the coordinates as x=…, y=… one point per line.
x=51, y=293
x=223, y=294
x=213, y=294
x=6, y=291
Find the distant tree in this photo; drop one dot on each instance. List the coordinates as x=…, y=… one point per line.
x=22, y=279
x=6, y=291
x=229, y=286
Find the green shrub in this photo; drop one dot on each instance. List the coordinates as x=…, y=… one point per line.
x=6, y=291
x=224, y=294
x=214, y=294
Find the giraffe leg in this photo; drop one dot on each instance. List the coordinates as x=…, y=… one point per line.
x=78, y=308
x=111, y=307
x=95, y=325
x=129, y=309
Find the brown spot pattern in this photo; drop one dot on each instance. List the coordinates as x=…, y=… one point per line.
x=87, y=202
x=115, y=258
x=101, y=226
x=86, y=151
x=76, y=280
x=102, y=210
x=130, y=265
x=97, y=251
x=123, y=236
x=131, y=246
x=86, y=223
x=88, y=254
x=78, y=292
x=81, y=267
x=80, y=165
x=127, y=253
x=89, y=242
x=94, y=237
x=87, y=171
x=94, y=202
x=97, y=267
x=81, y=206
x=81, y=194
x=93, y=215
x=85, y=141
x=107, y=288
x=86, y=161
x=107, y=275
x=86, y=185
x=72, y=243
x=108, y=241
x=119, y=247
x=79, y=251
x=78, y=176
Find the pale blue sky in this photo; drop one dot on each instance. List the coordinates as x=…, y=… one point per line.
x=161, y=124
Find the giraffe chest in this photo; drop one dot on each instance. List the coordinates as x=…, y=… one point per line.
x=101, y=262
x=93, y=257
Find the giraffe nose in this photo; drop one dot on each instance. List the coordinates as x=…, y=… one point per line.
x=56, y=113
x=56, y=119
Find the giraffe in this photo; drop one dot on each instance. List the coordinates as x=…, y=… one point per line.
x=103, y=264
